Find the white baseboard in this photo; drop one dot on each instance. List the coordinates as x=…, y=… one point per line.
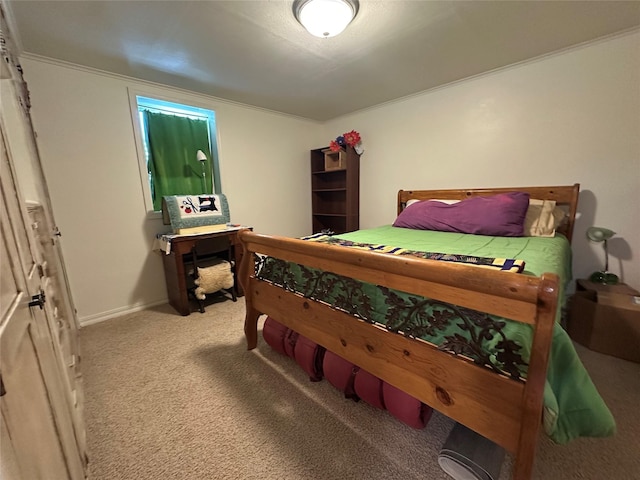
x=116, y=312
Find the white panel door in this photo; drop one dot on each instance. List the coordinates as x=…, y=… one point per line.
x=39, y=255
x=33, y=405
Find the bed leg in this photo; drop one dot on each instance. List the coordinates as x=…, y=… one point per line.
x=251, y=327
x=523, y=468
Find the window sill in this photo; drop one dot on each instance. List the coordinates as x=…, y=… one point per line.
x=154, y=215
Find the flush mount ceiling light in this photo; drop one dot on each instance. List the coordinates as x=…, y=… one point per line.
x=325, y=18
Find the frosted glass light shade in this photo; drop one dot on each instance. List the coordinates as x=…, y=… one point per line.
x=200, y=156
x=599, y=234
x=325, y=18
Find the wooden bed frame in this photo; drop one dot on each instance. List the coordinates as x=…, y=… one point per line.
x=504, y=410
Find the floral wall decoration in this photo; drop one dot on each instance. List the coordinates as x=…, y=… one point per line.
x=351, y=139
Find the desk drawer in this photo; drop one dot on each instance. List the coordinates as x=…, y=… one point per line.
x=212, y=245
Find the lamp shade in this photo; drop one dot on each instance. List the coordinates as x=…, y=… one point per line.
x=599, y=234
x=325, y=18
x=200, y=156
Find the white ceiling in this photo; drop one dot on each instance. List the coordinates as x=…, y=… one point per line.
x=255, y=52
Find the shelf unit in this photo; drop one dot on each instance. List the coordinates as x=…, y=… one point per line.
x=335, y=193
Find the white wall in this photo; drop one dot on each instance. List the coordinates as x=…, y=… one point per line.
x=18, y=140
x=571, y=117
x=87, y=146
x=567, y=118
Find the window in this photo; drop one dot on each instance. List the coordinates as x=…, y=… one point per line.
x=177, y=149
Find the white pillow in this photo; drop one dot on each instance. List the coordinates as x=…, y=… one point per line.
x=543, y=217
x=415, y=200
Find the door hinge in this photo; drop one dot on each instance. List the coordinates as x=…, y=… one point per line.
x=38, y=300
x=55, y=233
x=40, y=270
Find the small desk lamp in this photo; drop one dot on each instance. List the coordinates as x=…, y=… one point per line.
x=202, y=158
x=599, y=234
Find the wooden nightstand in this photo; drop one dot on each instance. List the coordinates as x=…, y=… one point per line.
x=606, y=318
x=587, y=285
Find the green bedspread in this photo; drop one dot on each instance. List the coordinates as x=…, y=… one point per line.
x=572, y=405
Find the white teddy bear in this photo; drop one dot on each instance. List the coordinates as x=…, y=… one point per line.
x=213, y=278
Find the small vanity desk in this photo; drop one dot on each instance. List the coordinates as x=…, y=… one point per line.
x=174, y=247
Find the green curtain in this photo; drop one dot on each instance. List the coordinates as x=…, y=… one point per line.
x=173, y=144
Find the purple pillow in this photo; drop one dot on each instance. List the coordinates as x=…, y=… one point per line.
x=497, y=215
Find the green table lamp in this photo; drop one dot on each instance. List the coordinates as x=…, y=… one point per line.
x=599, y=234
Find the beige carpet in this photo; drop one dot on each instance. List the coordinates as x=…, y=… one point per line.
x=171, y=397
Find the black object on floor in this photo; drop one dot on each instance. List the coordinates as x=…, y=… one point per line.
x=467, y=455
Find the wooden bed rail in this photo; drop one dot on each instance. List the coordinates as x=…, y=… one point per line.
x=504, y=410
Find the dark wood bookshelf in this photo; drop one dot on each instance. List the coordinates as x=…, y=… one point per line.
x=335, y=193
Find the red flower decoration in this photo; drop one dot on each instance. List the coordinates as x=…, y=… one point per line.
x=352, y=138
x=333, y=146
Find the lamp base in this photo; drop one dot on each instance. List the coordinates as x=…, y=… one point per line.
x=605, y=278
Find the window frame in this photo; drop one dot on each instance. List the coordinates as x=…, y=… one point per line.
x=134, y=93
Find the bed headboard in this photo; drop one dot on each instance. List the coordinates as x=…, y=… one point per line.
x=565, y=197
